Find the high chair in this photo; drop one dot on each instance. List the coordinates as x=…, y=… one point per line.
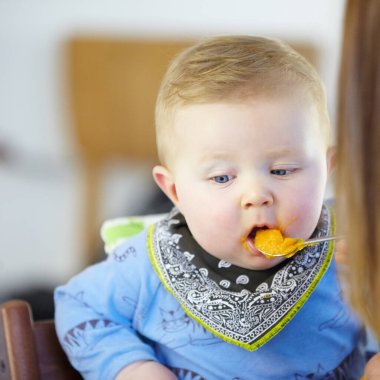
x=29, y=350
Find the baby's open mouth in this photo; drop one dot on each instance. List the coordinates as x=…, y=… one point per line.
x=253, y=233
x=248, y=241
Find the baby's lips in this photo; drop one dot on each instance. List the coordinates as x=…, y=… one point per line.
x=244, y=242
x=248, y=245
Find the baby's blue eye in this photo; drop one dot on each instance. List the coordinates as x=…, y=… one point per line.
x=280, y=172
x=222, y=178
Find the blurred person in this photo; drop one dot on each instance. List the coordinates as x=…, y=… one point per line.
x=358, y=181
x=243, y=137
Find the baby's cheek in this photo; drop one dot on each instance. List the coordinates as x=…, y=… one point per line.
x=301, y=219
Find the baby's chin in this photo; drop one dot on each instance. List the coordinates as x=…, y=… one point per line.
x=255, y=262
x=261, y=263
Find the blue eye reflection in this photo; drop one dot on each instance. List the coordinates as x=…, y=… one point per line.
x=280, y=172
x=222, y=178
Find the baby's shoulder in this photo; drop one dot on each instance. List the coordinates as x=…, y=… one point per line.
x=115, y=232
x=126, y=241
x=129, y=249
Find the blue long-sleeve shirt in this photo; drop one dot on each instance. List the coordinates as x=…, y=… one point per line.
x=118, y=311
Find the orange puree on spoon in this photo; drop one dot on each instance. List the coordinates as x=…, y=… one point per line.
x=271, y=243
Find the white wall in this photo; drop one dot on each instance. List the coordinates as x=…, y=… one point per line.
x=40, y=184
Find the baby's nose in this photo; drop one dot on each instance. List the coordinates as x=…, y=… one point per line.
x=256, y=196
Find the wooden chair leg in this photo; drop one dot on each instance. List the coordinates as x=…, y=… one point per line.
x=92, y=201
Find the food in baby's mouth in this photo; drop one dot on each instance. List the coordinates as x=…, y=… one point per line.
x=271, y=241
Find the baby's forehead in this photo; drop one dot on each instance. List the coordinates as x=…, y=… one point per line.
x=294, y=100
x=253, y=112
x=177, y=125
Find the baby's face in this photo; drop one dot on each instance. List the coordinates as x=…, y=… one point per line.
x=241, y=166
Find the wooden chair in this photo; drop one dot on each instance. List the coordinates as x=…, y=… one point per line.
x=29, y=350
x=113, y=86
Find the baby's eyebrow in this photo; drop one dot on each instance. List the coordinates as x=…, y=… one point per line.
x=210, y=162
x=217, y=156
x=280, y=152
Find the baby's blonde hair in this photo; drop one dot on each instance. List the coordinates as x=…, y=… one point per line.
x=233, y=69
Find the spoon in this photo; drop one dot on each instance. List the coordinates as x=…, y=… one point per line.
x=300, y=245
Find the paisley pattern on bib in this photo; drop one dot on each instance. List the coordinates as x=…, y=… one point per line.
x=247, y=317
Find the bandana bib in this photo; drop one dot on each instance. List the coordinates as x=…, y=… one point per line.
x=244, y=307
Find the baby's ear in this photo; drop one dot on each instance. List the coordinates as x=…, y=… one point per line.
x=165, y=182
x=331, y=159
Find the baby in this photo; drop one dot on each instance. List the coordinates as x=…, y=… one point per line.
x=243, y=140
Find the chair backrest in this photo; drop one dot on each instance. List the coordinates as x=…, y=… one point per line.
x=113, y=87
x=29, y=350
